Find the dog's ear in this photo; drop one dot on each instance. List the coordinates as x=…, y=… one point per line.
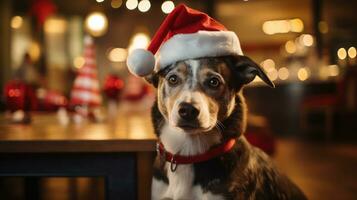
x=244, y=70
x=153, y=79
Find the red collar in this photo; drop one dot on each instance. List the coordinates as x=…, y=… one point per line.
x=178, y=159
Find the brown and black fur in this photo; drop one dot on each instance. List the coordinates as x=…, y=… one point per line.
x=245, y=172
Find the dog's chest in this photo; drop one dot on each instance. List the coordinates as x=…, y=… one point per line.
x=180, y=186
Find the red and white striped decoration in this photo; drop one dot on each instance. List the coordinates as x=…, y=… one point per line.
x=86, y=89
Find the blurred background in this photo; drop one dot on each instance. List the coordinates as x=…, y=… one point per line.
x=308, y=123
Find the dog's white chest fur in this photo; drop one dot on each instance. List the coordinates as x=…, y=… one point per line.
x=180, y=187
x=181, y=181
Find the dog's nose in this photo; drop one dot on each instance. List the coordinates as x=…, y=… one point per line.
x=188, y=111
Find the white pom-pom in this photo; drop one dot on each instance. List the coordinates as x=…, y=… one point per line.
x=141, y=62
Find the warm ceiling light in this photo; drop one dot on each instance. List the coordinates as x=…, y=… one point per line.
x=352, y=52
x=99, y=1
x=16, y=22
x=167, y=7
x=144, y=5
x=283, y=26
x=283, y=73
x=131, y=4
x=307, y=40
x=116, y=3
x=296, y=25
x=96, y=24
x=341, y=53
x=55, y=25
x=290, y=47
x=303, y=74
x=117, y=55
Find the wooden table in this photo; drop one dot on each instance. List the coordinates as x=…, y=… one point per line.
x=120, y=150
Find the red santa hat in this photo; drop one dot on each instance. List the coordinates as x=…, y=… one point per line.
x=185, y=34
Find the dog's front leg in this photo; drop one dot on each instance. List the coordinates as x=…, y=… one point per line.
x=158, y=189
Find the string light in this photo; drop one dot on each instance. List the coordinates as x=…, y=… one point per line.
x=341, y=53
x=290, y=47
x=303, y=74
x=268, y=65
x=167, y=7
x=144, y=5
x=307, y=40
x=352, y=52
x=273, y=74
x=296, y=25
x=283, y=73
x=131, y=4
x=283, y=26
x=16, y=22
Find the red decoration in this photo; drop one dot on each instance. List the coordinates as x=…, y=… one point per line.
x=135, y=89
x=85, y=91
x=113, y=86
x=19, y=96
x=41, y=9
x=53, y=100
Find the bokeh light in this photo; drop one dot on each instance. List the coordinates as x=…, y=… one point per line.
x=34, y=51
x=144, y=5
x=78, y=62
x=283, y=73
x=96, y=24
x=167, y=7
x=116, y=3
x=307, y=40
x=16, y=22
x=341, y=53
x=131, y=4
x=273, y=74
x=290, y=47
x=117, y=55
x=303, y=74
x=352, y=52
x=283, y=26
x=268, y=65
x=139, y=41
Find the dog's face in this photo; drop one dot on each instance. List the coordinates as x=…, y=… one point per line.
x=196, y=95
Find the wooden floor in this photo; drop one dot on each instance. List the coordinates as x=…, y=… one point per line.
x=323, y=171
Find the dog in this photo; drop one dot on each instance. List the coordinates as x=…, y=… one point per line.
x=199, y=107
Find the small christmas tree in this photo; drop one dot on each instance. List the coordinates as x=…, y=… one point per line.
x=85, y=94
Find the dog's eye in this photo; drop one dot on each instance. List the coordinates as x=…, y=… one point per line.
x=214, y=82
x=173, y=80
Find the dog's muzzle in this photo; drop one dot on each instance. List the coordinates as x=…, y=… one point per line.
x=188, y=116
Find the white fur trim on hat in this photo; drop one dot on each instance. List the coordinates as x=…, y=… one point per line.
x=141, y=62
x=197, y=45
